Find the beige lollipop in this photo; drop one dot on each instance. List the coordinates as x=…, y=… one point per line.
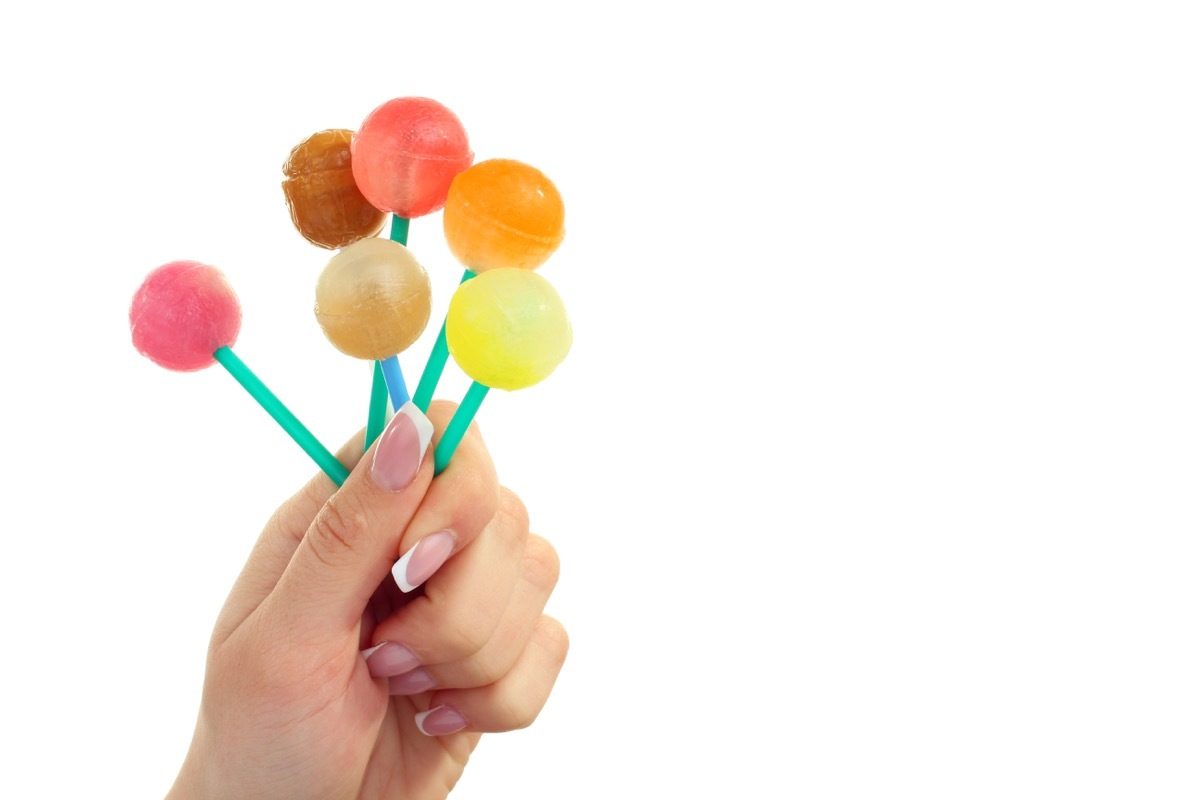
x=373, y=299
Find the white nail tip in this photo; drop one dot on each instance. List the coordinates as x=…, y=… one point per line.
x=400, y=570
x=370, y=650
x=421, y=720
x=420, y=422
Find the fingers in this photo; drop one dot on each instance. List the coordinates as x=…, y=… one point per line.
x=278, y=542
x=463, y=603
x=455, y=661
x=510, y=703
x=327, y=551
x=347, y=550
x=457, y=507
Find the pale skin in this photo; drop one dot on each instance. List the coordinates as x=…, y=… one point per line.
x=290, y=708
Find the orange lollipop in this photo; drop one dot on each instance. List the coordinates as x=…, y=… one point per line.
x=502, y=213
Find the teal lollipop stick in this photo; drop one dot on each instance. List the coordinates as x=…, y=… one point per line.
x=457, y=428
x=280, y=413
x=377, y=412
x=399, y=232
x=436, y=364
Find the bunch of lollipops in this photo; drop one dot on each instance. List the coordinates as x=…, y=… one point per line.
x=506, y=327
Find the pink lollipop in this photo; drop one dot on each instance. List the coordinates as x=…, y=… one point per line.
x=185, y=317
x=183, y=312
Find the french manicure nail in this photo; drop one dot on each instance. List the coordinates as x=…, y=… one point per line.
x=426, y=556
x=401, y=449
x=388, y=658
x=412, y=682
x=441, y=721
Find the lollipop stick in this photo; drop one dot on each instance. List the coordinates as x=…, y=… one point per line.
x=279, y=412
x=377, y=413
x=399, y=230
x=395, y=381
x=458, y=426
x=436, y=363
x=399, y=233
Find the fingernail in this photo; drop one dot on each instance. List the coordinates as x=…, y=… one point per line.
x=440, y=721
x=401, y=449
x=415, y=566
x=388, y=658
x=412, y=682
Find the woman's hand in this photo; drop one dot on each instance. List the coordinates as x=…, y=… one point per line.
x=326, y=679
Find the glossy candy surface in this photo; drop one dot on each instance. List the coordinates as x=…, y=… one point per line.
x=373, y=299
x=507, y=328
x=325, y=203
x=405, y=154
x=182, y=313
x=502, y=213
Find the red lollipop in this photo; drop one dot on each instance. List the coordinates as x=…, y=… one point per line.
x=406, y=153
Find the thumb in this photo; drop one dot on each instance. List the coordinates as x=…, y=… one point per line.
x=349, y=549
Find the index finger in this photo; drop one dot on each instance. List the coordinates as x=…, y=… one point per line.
x=458, y=505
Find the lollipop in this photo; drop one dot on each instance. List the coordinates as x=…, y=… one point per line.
x=499, y=214
x=373, y=302
x=185, y=317
x=507, y=329
x=503, y=213
x=405, y=154
x=325, y=203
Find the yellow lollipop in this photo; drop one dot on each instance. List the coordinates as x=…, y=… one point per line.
x=507, y=329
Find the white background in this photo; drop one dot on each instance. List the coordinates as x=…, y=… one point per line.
x=873, y=469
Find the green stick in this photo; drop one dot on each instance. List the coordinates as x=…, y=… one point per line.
x=436, y=363
x=279, y=412
x=399, y=231
x=457, y=428
x=377, y=413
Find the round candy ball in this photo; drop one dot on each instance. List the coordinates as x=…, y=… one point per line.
x=182, y=313
x=406, y=152
x=503, y=213
x=373, y=299
x=323, y=199
x=507, y=328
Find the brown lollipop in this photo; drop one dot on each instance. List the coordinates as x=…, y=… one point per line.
x=325, y=203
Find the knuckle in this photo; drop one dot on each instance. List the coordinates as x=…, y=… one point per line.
x=514, y=509
x=521, y=713
x=337, y=529
x=541, y=564
x=486, y=671
x=477, y=499
x=464, y=637
x=552, y=637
